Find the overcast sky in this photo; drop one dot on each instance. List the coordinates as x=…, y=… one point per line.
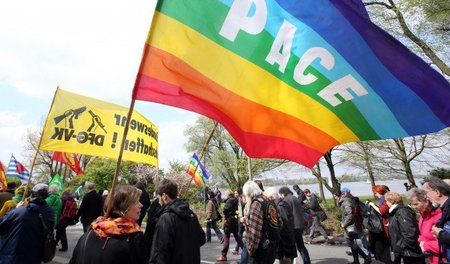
x=88, y=47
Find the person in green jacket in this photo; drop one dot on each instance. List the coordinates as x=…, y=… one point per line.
x=54, y=201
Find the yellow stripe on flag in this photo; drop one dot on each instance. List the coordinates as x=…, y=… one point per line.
x=200, y=52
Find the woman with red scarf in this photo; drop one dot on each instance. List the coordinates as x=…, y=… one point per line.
x=118, y=239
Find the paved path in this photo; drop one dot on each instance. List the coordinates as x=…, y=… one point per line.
x=320, y=254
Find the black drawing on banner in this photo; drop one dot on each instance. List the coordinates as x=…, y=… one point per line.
x=69, y=115
x=96, y=122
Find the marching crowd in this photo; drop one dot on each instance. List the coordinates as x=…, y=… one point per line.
x=266, y=224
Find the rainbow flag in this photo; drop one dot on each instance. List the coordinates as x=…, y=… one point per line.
x=197, y=171
x=289, y=79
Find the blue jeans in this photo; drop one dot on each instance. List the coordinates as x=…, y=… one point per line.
x=298, y=234
x=213, y=224
x=244, y=254
x=240, y=233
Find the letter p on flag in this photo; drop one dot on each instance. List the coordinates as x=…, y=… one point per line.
x=238, y=18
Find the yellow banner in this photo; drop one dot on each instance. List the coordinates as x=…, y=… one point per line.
x=84, y=125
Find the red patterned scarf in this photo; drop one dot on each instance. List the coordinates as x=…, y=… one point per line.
x=107, y=227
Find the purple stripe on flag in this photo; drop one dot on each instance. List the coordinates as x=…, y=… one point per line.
x=404, y=65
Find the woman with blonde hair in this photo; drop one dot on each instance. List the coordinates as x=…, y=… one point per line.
x=403, y=231
x=117, y=239
x=429, y=216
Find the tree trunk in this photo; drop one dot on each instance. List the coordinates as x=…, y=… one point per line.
x=318, y=174
x=425, y=48
x=404, y=160
x=321, y=192
x=368, y=165
x=336, y=186
x=409, y=174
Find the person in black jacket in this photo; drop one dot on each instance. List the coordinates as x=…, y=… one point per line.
x=312, y=203
x=300, y=193
x=90, y=208
x=287, y=251
x=152, y=218
x=230, y=225
x=299, y=221
x=178, y=234
x=144, y=200
x=403, y=231
x=118, y=239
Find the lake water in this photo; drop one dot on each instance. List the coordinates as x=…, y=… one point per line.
x=358, y=188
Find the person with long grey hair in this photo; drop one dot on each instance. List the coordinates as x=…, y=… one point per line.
x=260, y=207
x=429, y=215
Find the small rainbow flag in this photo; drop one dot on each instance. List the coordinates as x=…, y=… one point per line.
x=197, y=171
x=290, y=79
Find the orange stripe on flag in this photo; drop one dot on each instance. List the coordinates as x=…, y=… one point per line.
x=262, y=120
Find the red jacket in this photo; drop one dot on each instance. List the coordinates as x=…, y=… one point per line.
x=426, y=221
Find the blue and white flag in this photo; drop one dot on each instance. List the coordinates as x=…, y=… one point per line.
x=16, y=169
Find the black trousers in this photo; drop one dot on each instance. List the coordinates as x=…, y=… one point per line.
x=380, y=247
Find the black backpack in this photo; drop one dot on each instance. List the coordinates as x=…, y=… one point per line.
x=271, y=225
x=373, y=222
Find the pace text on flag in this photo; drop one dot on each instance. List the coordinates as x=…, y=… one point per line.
x=290, y=79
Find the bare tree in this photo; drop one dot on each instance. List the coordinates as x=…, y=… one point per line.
x=359, y=155
x=398, y=155
x=223, y=156
x=45, y=167
x=396, y=13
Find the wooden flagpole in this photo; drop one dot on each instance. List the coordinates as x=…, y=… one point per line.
x=202, y=152
x=119, y=159
x=37, y=149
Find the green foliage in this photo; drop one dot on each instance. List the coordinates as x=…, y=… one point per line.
x=13, y=179
x=442, y=173
x=101, y=173
x=436, y=11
